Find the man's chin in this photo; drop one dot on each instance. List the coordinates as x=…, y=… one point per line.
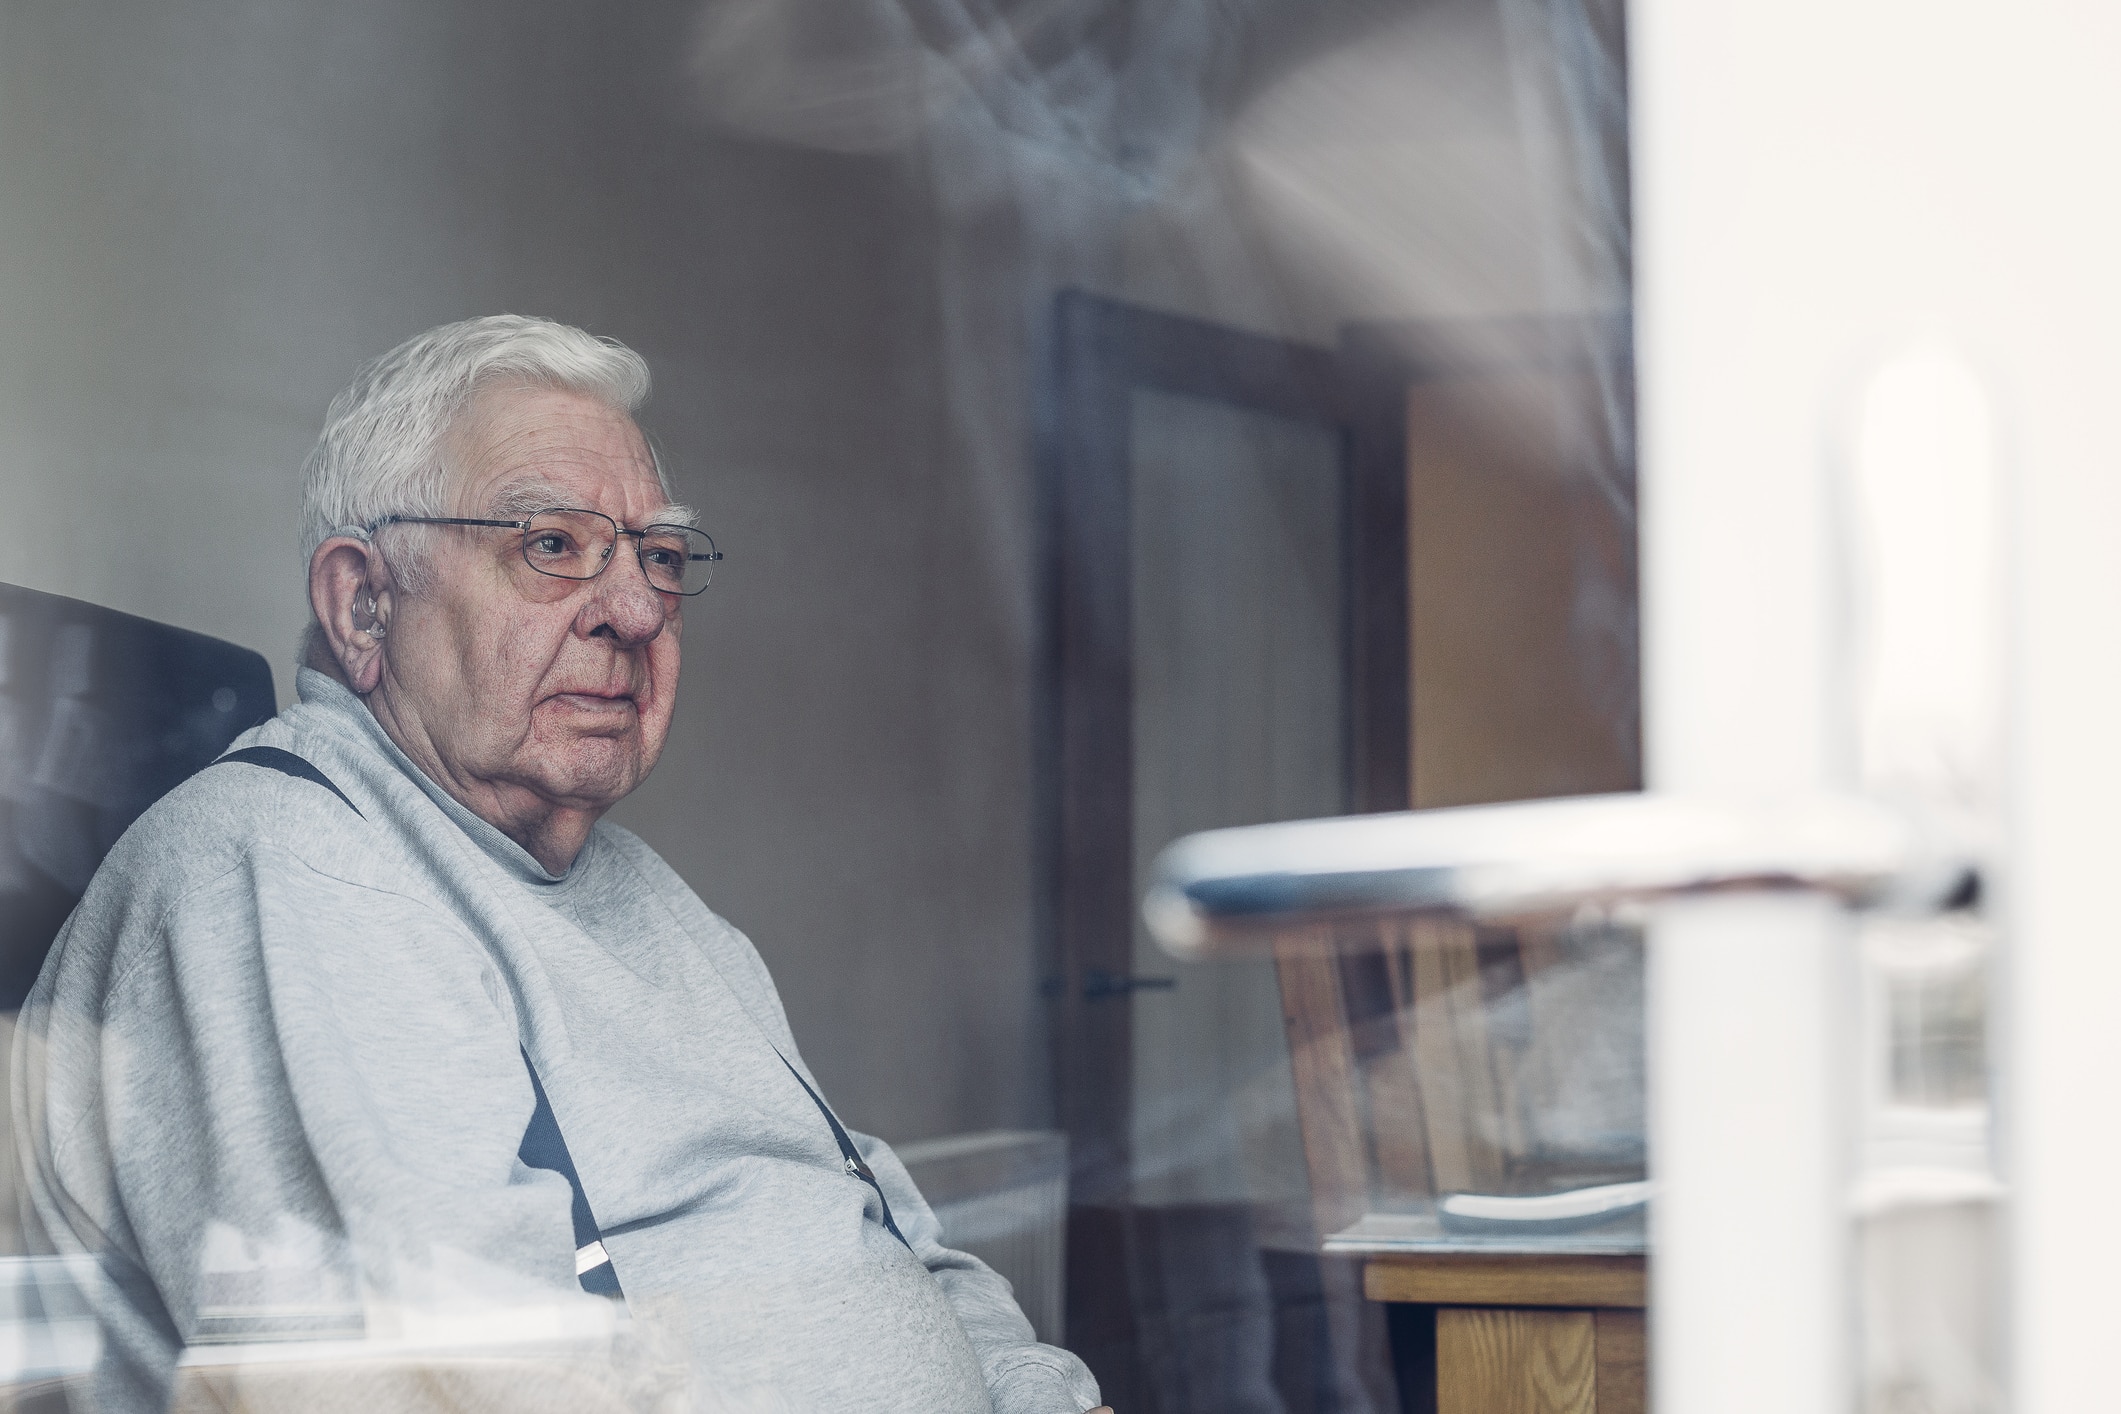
x=589, y=774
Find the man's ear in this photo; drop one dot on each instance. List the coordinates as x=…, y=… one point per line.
x=350, y=593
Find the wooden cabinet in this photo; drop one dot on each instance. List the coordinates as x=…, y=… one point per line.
x=1523, y=1334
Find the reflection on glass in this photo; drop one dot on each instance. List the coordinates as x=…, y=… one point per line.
x=1496, y=1063
x=1927, y=1199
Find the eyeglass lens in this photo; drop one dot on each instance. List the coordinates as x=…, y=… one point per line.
x=578, y=544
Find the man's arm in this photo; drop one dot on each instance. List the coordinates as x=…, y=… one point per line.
x=1023, y=1376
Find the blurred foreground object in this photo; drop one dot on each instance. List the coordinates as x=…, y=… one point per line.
x=1229, y=891
x=528, y=1360
x=1877, y=455
x=48, y=1334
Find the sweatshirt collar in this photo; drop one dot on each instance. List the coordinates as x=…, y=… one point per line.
x=331, y=699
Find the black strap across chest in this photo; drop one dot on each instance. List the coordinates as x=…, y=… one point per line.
x=848, y=1155
x=544, y=1146
x=272, y=758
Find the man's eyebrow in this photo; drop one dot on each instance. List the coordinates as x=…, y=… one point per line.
x=523, y=498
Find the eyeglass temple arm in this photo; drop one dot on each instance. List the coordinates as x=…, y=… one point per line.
x=448, y=520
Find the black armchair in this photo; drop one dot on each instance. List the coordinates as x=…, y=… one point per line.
x=100, y=714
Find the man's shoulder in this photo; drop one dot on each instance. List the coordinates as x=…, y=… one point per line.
x=227, y=810
x=231, y=817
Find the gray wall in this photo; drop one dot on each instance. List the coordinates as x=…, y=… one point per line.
x=211, y=213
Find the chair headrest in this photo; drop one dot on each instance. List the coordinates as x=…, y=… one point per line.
x=101, y=713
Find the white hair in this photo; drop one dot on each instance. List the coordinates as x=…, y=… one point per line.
x=381, y=450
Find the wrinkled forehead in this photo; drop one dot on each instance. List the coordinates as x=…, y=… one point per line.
x=515, y=443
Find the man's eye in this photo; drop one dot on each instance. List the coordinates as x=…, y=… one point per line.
x=662, y=555
x=550, y=543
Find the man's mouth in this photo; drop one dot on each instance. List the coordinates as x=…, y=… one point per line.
x=595, y=702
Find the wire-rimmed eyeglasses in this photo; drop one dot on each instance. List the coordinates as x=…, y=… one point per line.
x=568, y=542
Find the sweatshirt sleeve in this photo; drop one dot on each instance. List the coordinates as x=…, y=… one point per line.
x=1023, y=1376
x=320, y=1099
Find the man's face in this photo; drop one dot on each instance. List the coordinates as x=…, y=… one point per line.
x=519, y=682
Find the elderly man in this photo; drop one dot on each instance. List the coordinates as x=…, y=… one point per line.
x=376, y=1015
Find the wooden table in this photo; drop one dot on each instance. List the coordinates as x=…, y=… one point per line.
x=1516, y=1333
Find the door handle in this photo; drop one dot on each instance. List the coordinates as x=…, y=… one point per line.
x=1100, y=984
x=1225, y=893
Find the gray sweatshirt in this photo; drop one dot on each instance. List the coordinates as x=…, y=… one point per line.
x=270, y=1079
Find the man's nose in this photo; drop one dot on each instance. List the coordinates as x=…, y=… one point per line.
x=624, y=604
